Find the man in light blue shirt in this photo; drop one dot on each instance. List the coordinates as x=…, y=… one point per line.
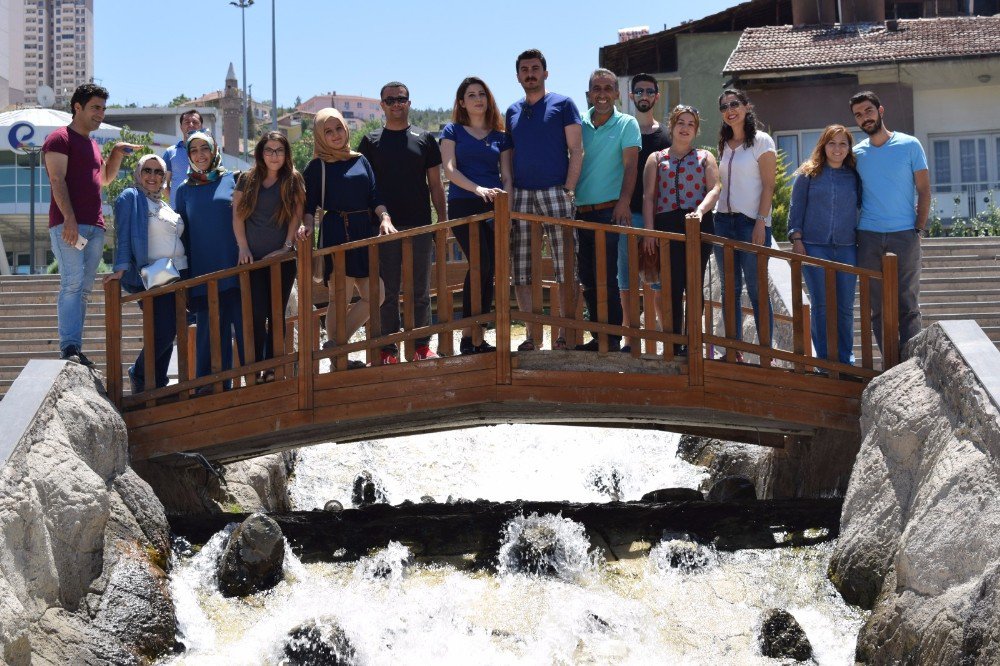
x=895, y=203
x=176, y=156
x=611, y=142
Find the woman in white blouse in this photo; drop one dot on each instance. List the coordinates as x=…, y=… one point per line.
x=747, y=161
x=147, y=229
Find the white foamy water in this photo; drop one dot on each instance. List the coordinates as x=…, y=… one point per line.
x=397, y=611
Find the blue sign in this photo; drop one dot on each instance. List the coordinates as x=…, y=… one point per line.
x=20, y=133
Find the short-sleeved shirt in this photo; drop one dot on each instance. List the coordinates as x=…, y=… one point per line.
x=680, y=180
x=83, y=176
x=653, y=142
x=264, y=234
x=603, y=169
x=400, y=160
x=740, y=176
x=477, y=159
x=538, y=135
x=176, y=157
x=888, y=202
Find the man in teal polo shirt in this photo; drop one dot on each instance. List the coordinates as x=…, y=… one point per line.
x=611, y=142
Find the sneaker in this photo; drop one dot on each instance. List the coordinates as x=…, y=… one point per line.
x=389, y=358
x=527, y=345
x=593, y=345
x=485, y=347
x=465, y=346
x=423, y=352
x=355, y=365
x=135, y=384
x=72, y=353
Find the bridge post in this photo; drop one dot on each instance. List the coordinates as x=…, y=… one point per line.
x=501, y=225
x=694, y=277
x=890, y=311
x=113, y=340
x=306, y=342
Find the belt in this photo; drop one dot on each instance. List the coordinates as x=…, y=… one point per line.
x=346, y=216
x=592, y=207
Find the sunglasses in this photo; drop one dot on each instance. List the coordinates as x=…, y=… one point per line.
x=725, y=106
x=274, y=152
x=645, y=92
x=392, y=101
x=684, y=108
x=146, y=171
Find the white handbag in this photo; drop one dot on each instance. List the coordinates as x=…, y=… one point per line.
x=160, y=272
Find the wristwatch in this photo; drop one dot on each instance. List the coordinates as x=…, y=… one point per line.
x=762, y=218
x=570, y=193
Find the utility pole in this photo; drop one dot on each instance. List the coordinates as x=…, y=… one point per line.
x=243, y=4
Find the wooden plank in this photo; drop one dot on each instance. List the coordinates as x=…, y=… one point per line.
x=536, y=281
x=666, y=305
x=866, y=322
x=576, y=379
x=598, y=396
x=406, y=371
x=601, y=274
x=694, y=296
x=781, y=413
x=391, y=397
x=832, y=348
x=406, y=282
x=373, y=329
x=574, y=336
x=407, y=404
x=246, y=304
x=209, y=403
x=277, y=316
x=632, y=250
x=793, y=358
x=180, y=318
x=501, y=207
x=338, y=308
x=890, y=311
x=782, y=396
x=475, y=282
x=605, y=328
x=214, y=328
x=798, y=341
x=307, y=326
x=445, y=310
x=403, y=336
x=783, y=379
x=113, y=340
x=764, y=332
x=729, y=300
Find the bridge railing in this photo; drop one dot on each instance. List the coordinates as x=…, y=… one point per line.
x=297, y=340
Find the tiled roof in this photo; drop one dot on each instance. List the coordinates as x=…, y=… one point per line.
x=784, y=47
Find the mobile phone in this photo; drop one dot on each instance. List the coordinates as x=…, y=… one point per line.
x=81, y=242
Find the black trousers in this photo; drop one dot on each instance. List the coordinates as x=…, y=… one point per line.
x=260, y=302
x=390, y=262
x=673, y=221
x=487, y=243
x=586, y=263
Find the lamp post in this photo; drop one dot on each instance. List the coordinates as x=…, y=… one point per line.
x=32, y=152
x=243, y=4
x=274, y=74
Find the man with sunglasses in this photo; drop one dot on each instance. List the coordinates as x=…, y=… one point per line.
x=407, y=165
x=611, y=142
x=644, y=93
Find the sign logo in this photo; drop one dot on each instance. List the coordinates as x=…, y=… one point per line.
x=20, y=133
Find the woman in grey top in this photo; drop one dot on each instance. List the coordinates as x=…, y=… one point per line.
x=267, y=203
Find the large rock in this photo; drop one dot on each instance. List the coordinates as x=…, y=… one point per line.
x=781, y=636
x=319, y=643
x=257, y=484
x=253, y=559
x=920, y=530
x=85, y=542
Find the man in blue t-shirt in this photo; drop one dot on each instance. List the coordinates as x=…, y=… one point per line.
x=176, y=156
x=548, y=154
x=611, y=142
x=895, y=202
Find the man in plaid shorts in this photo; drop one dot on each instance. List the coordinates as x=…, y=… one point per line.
x=545, y=129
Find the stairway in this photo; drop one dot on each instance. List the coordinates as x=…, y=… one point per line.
x=28, y=325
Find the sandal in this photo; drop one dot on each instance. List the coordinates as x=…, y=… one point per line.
x=268, y=376
x=527, y=345
x=560, y=344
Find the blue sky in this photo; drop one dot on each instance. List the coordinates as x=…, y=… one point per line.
x=148, y=52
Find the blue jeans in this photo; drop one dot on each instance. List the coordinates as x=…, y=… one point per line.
x=77, y=272
x=740, y=227
x=816, y=281
x=230, y=325
x=623, y=285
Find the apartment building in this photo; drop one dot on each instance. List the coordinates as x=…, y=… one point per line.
x=58, y=47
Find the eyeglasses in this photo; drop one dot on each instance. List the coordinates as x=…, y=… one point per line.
x=647, y=92
x=146, y=171
x=274, y=152
x=392, y=101
x=684, y=108
x=725, y=106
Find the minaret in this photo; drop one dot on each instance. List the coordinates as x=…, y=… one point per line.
x=231, y=115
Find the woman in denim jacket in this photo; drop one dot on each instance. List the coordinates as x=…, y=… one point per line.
x=826, y=197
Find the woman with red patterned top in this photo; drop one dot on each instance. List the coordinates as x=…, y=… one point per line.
x=678, y=183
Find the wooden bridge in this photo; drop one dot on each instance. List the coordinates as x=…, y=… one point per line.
x=316, y=398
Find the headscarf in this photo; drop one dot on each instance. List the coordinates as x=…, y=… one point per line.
x=324, y=150
x=215, y=169
x=137, y=174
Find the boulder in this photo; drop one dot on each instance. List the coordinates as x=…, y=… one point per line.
x=920, y=528
x=333, y=506
x=732, y=489
x=253, y=558
x=673, y=495
x=319, y=643
x=546, y=545
x=367, y=490
x=681, y=554
x=782, y=637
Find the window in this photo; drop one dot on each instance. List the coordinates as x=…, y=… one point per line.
x=798, y=145
x=965, y=170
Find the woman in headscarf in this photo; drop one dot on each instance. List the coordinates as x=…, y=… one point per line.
x=346, y=202
x=268, y=201
x=147, y=229
x=205, y=203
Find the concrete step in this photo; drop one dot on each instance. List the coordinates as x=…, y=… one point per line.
x=959, y=306
x=52, y=344
x=8, y=320
x=132, y=327
x=979, y=270
x=941, y=281
x=948, y=260
x=962, y=295
x=39, y=297
x=37, y=283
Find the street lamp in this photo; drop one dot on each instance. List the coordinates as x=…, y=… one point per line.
x=32, y=152
x=243, y=4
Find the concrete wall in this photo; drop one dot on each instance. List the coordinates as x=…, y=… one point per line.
x=700, y=61
x=952, y=110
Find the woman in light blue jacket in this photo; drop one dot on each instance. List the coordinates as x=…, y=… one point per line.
x=147, y=229
x=826, y=197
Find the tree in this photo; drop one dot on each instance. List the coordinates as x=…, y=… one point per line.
x=782, y=199
x=180, y=99
x=125, y=179
x=298, y=101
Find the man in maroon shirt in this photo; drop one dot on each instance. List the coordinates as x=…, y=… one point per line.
x=76, y=224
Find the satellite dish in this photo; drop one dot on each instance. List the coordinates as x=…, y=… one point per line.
x=46, y=96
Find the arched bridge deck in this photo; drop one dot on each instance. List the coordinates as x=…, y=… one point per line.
x=316, y=398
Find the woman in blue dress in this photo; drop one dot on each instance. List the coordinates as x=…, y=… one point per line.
x=476, y=154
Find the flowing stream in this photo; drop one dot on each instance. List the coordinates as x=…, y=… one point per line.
x=633, y=611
